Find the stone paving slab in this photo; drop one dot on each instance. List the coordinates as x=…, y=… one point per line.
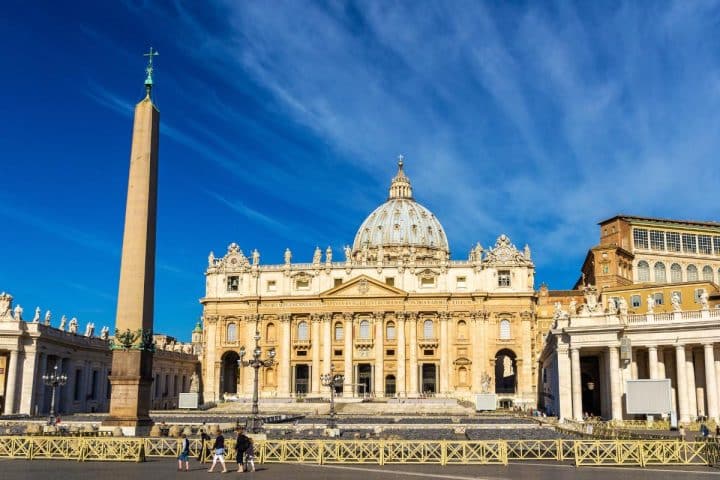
x=166, y=469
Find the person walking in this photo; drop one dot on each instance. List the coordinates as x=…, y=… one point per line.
x=219, y=453
x=184, y=454
x=250, y=455
x=204, y=438
x=241, y=445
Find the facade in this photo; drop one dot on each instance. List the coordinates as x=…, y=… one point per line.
x=29, y=349
x=396, y=316
x=584, y=371
x=653, y=250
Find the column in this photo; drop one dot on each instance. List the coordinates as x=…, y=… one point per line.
x=327, y=342
x=700, y=386
x=614, y=366
x=526, y=381
x=413, y=356
x=348, y=387
x=682, y=386
x=476, y=382
x=692, y=395
x=634, y=365
x=246, y=373
x=661, y=363
x=653, y=362
x=670, y=373
x=11, y=383
x=315, y=345
x=284, y=356
x=576, y=383
x=717, y=376
x=482, y=354
x=710, y=382
x=379, y=370
x=444, y=354
x=564, y=400
x=400, y=381
x=40, y=389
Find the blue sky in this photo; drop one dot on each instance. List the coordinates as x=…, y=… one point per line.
x=281, y=123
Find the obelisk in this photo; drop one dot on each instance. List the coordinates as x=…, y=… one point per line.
x=131, y=377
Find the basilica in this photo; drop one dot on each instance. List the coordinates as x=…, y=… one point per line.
x=396, y=316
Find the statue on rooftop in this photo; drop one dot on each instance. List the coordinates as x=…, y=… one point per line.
x=288, y=256
x=48, y=317
x=675, y=300
x=18, y=312
x=73, y=325
x=317, y=255
x=63, y=321
x=36, y=317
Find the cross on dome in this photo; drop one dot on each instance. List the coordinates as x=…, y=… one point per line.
x=400, y=186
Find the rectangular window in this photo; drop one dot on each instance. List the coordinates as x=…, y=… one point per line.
x=659, y=299
x=337, y=282
x=78, y=385
x=302, y=353
x=461, y=282
x=302, y=284
x=390, y=281
x=337, y=353
x=166, y=385
x=233, y=283
x=689, y=243
x=427, y=282
x=698, y=294
x=504, y=278
x=657, y=240
x=704, y=244
x=716, y=245
x=271, y=286
x=635, y=301
x=673, y=241
x=428, y=352
x=93, y=385
x=640, y=238
x=390, y=353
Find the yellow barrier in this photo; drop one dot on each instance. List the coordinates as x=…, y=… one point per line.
x=380, y=452
x=658, y=452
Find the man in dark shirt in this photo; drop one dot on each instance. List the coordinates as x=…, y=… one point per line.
x=241, y=445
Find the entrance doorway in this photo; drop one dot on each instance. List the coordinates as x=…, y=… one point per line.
x=505, y=372
x=229, y=375
x=302, y=379
x=590, y=378
x=390, y=386
x=429, y=379
x=364, y=379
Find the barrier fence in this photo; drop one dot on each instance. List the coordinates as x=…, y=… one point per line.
x=377, y=452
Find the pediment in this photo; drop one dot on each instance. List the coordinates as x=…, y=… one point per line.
x=363, y=286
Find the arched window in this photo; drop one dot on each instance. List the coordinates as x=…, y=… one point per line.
x=364, y=329
x=643, y=271
x=707, y=273
x=303, y=333
x=675, y=273
x=270, y=332
x=692, y=273
x=660, y=276
x=428, y=329
x=270, y=377
x=390, y=331
x=462, y=330
x=338, y=331
x=504, y=329
x=231, y=333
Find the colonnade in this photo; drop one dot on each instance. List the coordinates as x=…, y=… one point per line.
x=694, y=371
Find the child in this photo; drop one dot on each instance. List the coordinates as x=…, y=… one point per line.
x=250, y=455
x=184, y=454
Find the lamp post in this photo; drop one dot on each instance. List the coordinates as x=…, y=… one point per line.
x=255, y=423
x=332, y=380
x=54, y=380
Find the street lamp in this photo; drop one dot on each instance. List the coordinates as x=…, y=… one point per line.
x=255, y=422
x=332, y=380
x=54, y=380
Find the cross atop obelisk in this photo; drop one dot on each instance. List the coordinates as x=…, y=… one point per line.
x=132, y=345
x=149, y=70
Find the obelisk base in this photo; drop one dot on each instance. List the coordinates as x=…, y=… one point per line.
x=131, y=393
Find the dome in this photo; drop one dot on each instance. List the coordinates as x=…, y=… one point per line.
x=401, y=223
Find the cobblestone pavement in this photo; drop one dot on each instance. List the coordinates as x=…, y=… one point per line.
x=166, y=469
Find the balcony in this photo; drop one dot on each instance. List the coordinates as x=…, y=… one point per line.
x=363, y=343
x=302, y=344
x=428, y=343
